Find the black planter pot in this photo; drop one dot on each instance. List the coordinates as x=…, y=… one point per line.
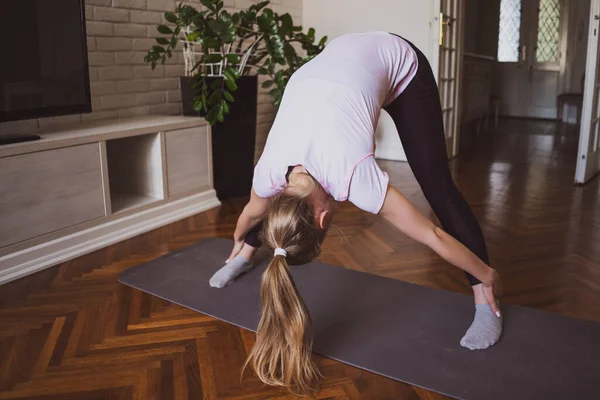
x=233, y=141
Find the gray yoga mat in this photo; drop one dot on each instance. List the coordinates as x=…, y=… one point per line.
x=399, y=330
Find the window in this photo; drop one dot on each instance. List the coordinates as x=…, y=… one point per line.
x=548, y=31
x=509, y=35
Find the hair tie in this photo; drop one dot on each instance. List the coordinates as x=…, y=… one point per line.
x=280, y=252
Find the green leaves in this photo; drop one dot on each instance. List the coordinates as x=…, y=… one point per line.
x=211, y=43
x=197, y=104
x=228, y=96
x=193, y=36
x=267, y=22
x=214, y=97
x=231, y=73
x=171, y=17
x=223, y=27
x=220, y=36
x=217, y=26
x=259, y=6
x=286, y=24
x=225, y=107
x=218, y=111
x=213, y=58
x=186, y=15
x=210, y=4
x=233, y=58
x=211, y=117
x=183, y=16
x=288, y=50
x=231, y=85
x=204, y=101
x=165, y=30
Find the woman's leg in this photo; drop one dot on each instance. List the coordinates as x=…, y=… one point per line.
x=253, y=237
x=240, y=263
x=417, y=114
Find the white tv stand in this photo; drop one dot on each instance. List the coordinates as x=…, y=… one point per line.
x=86, y=186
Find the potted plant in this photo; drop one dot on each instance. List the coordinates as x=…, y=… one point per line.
x=223, y=54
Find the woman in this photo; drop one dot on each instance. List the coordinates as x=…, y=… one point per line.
x=321, y=146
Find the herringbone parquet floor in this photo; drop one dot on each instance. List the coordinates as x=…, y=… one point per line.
x=73, y=332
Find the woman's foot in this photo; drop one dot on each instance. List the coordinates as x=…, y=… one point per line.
x=486, y=328
x=230, y=271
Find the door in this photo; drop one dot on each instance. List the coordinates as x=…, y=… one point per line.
x=531, y=56
x=588, y=160
x=450, y=62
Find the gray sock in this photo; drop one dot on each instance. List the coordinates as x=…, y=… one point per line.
x=485, y=330
x=230, y=271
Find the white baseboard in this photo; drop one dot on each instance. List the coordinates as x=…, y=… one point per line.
x=36, y=258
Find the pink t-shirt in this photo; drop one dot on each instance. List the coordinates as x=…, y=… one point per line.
x=328, y=116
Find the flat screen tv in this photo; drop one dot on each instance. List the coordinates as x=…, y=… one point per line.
x=44, y=68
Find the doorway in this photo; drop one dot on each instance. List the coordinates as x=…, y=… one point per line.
x=449, y=69
x=531, y=56
x=535, y=59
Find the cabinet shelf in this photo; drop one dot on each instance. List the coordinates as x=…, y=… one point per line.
x=85, y=186
x=135, y=172
x=126, y=201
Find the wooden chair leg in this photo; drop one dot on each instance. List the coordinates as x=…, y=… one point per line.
x=496, y=114
x=559, y=110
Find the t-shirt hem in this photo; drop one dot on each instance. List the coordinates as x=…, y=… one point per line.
x=349, y=179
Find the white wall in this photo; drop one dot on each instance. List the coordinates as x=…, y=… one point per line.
x=408, y=18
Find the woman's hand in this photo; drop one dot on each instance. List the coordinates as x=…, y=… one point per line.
x=252, y=214
x=490, y=289
x=237, y=247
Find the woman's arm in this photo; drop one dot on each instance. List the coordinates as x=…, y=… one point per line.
x=252, y=214
x=404, y=216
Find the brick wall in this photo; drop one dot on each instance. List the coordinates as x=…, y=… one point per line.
x=120, y=32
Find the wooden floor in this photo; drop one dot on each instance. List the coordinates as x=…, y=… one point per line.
x=74, y=332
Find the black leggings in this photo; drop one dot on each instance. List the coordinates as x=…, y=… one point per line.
x=417, y=113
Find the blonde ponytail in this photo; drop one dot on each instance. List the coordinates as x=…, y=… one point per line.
x=282, y=354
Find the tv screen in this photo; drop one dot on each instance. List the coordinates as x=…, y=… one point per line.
x=44, y=69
